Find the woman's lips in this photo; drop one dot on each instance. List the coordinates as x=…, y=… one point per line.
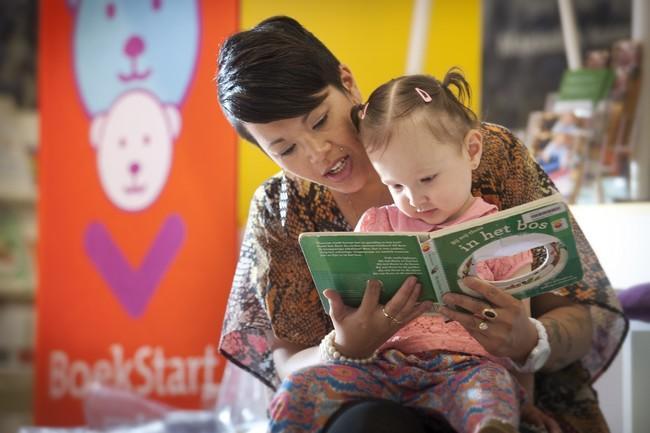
x=340, y=170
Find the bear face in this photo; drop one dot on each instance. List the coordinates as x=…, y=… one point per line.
x=134, y=143
x=120, y=45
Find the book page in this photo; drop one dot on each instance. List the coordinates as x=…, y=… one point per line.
x=345, y=262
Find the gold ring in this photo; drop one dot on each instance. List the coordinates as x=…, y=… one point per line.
x=383, y=310
x=489, y=313
x=483, y=326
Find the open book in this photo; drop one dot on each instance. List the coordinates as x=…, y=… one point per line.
x=344, y=261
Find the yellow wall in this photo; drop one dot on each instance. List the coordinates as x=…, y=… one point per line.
x=372, y=39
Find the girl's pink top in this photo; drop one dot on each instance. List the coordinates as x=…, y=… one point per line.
x=430, y=332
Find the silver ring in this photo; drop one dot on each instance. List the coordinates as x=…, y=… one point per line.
x=483, y=326
x=388, y=316
x=489, y=313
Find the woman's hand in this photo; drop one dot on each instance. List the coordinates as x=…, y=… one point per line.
x=360, y=331
x=535, y=416
x=510, y=334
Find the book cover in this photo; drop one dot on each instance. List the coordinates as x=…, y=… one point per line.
x=587, y=84
x=16, y=267
x=344, y=261
x=582, y=89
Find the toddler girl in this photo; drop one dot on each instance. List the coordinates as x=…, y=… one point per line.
x=424, y=143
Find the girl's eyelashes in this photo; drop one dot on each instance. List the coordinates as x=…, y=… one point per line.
x=399, y=187
x=321, y=122
x=288, y=151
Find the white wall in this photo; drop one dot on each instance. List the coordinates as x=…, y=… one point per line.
x=620, y=236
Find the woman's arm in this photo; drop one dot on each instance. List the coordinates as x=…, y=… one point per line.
x=568, y=326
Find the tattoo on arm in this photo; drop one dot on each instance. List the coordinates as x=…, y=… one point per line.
x=556, y=343
x=567, y=328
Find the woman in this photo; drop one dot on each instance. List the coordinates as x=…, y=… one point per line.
x=283, y=90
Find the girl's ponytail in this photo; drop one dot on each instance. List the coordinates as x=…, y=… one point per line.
x=454, y=77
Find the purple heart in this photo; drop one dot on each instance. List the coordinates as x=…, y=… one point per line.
x=134, y=287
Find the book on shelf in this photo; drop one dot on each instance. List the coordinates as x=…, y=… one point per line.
x=344, y=261
x=582, y=89
x=16, y=260
x=584, y=133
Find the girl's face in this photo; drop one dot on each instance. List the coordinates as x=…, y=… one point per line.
x=429, y=180
x=321, y=146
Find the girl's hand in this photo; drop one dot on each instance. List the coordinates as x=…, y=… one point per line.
x=509, y=334
x=361, y=331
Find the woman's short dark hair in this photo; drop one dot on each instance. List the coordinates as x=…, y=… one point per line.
x=276, y=70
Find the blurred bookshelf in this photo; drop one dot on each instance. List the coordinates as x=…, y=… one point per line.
x=583, y=136
x=18, y=235
x=19, y=138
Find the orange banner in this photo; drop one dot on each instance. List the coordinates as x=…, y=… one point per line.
x=137, y=174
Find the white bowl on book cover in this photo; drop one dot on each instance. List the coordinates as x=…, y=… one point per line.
x=554, y=261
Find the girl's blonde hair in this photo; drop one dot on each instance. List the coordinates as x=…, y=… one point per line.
x=417, y=97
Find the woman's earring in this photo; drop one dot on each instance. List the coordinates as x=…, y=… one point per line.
x=362, y=114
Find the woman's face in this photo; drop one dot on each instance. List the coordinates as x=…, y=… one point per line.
x=322, y=146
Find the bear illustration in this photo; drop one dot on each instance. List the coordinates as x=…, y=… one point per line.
x=120, y=45
x=134, y=144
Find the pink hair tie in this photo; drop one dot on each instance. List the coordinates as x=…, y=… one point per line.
x=424, y=95
x=362, y=115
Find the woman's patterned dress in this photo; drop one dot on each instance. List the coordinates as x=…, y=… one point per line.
x=273, y=290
